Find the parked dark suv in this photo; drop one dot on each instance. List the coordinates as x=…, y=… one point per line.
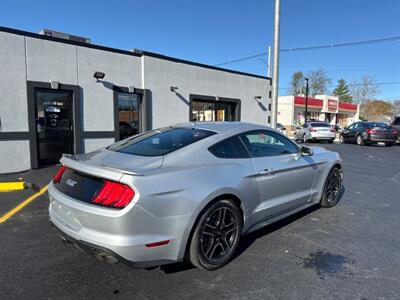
x=396, y=124
x=364, y=133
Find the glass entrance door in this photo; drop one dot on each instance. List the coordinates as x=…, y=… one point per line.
x=54, y=125
x=210, y=111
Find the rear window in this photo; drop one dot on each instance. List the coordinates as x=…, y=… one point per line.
x=316, y=124
x=377, y=124
x=396, y=121
x=161, y=142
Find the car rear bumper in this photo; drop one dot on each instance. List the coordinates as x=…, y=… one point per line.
x=105, y=254
x=323, y=136
x=121, y=235
x=381, y=138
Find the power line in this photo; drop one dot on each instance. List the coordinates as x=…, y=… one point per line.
x=357, y=84
x=326, y=46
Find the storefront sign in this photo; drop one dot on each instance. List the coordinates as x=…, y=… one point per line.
x=332, y=105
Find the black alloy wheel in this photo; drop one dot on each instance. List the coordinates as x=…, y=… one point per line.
x=332, y=189
x=216, y=236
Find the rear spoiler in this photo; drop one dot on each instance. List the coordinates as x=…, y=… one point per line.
x=72, y=162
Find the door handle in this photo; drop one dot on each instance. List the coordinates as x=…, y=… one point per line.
x=266, y=171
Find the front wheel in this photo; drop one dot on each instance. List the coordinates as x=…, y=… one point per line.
x=216, y=235
x=332, y=189
x=341, y=139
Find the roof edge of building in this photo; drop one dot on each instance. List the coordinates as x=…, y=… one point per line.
x=137, y=53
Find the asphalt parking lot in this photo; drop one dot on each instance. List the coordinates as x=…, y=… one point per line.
x=350, y=251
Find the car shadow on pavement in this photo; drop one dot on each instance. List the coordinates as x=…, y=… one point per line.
x=247, y=240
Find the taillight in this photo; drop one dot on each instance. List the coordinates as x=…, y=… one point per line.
x=57, y=178
x=394, y=131
x=369, y=131
x=114, y=194
x=313, y=130
x=333, y=130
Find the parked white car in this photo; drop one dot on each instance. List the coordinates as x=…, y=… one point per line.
x=315, y=131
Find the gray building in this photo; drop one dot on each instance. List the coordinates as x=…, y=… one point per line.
x=51, y=103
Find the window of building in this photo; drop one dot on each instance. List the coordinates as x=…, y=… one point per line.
x=212, y=111
x=128, y=114
x=261, y=143
x=230, y=148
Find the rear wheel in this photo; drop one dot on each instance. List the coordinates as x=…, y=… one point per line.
x=216, y=235
x=360, y=140
x=333, y=186
x=389, y=144
x=330, y=141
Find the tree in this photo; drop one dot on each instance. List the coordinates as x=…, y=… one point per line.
x=396, y=108
x=342, y=91
x=363, y=90
x=377, y=110
x=318, y=81
x=297, y=84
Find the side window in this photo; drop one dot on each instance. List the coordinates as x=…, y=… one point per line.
x=262, y=143
x=351, y=127
x=229, y=148
x=358, y=126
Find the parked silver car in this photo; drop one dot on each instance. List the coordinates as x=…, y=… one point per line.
x=187, y=191
x=315, y=131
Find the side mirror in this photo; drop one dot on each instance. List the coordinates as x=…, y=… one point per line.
x=306, y=151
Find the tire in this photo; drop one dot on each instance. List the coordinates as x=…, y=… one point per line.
x=214, y=242
x=332, y=188
x=359, y=140
x=330, y=141
x=341, y=139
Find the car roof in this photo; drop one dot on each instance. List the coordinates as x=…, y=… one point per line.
x=223, y=127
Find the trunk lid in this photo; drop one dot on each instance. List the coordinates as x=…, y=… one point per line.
x=112, y=163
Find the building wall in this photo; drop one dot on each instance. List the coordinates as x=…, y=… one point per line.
x=286, y=115
x=170, y=107
x=26, y=58
x=12, y=83
x=120, y=70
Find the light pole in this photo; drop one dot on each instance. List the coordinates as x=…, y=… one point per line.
x=275, y=71
x=306, y=110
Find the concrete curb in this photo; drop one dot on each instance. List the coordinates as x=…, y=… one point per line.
x=17, y=185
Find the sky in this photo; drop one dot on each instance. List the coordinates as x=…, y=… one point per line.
x=215, y=31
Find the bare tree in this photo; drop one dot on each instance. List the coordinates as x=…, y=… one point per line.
x=364, y=90
x=296, y=84
x=319, y=82
x=396, y=108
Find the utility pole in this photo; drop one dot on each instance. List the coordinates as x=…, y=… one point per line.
x=306, y=110
x=275, y=74
x=269, y=62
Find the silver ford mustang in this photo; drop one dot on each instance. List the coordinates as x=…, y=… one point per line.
x=188, y=191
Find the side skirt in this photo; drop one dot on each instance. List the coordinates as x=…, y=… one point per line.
x=277, y=217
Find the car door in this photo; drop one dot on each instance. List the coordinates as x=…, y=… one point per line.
x=348, y=133
x=284, y=178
